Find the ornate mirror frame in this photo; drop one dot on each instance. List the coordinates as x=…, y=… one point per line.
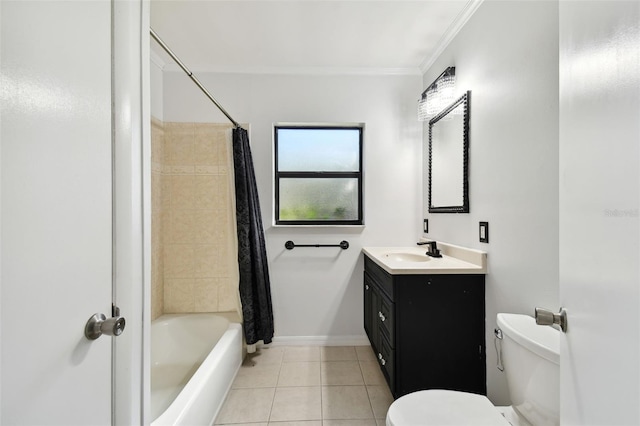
x=464, y=207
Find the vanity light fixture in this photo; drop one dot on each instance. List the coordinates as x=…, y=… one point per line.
x=438, y=95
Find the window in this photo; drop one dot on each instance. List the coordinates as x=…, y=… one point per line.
x=318, y=175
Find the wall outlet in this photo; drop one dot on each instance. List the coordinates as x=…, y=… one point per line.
x=425, y=226
x=484, y=232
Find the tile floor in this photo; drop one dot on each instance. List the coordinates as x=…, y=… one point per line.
x=308, y=386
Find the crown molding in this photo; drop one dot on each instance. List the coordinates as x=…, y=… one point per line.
x=455, y=27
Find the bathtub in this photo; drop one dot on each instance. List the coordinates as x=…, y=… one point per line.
x=194, y=359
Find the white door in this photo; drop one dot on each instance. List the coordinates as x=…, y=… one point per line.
x=599, y=216
x=57, y=184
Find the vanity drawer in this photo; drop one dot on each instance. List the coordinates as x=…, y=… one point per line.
x=380, y=276
x=386, y=360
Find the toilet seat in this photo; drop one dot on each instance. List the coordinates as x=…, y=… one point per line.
x=442, y=408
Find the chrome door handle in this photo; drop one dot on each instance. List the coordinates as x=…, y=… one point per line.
x=99, y=324
x=546, y=317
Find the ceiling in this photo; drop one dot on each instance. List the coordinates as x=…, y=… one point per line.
x=365, y=36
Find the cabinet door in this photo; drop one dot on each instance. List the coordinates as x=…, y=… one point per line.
x=440, y=340
x=368, y=307
x=371, y=308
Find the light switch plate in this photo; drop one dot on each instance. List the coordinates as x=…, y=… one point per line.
x=425, y=226
x=484, y=232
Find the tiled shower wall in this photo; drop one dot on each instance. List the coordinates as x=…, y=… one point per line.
x=157, y=214
x=194, y=264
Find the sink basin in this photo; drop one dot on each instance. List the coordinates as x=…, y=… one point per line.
x=407, y=257
x=409, y=260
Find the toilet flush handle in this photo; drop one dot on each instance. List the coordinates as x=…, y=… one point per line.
x=546, y=317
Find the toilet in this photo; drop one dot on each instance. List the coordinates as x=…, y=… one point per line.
x=530, y=354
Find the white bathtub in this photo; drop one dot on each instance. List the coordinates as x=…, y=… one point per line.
x=194, y=359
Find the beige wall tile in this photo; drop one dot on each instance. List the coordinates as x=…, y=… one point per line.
x=206, y=261
x=156, y=192
x=179, y=295
x=224, y=152
x=206, y=150
x=180, y=150
x=182, y=192
x=181, y=227
x=165, y=191
x=205, y=227
x=206, y=192
x=181, y=170
x=205, y=292
x=191, y=219
x=179, y=261
x=222, y=191
x=207, y=170
x=227, y=295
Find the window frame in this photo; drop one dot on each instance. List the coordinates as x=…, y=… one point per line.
x=318, y=175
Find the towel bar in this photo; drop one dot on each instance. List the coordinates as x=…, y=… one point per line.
x=290, y=245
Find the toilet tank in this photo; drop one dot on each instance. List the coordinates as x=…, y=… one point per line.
x=531, y=359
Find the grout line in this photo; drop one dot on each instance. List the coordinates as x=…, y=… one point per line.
x=321, y=398
x=275, y=390
x=368, y=394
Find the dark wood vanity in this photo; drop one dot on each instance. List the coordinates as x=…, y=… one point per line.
x=427, y=330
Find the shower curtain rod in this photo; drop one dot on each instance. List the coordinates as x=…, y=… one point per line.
x=191, y=76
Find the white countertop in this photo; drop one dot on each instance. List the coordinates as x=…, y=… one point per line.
x=454, y=260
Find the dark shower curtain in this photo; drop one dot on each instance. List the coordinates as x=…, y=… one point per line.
x=255, y=289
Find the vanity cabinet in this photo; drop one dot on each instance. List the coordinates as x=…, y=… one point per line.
x=427, y=331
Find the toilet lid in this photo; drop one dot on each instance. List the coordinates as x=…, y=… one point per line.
x=443, y=407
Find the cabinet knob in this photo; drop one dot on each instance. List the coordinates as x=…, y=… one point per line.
x=379, y=355
x=381, y=316
x=382, y=361
x=366, y=287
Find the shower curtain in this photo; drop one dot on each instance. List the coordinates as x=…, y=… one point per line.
x=254, y=286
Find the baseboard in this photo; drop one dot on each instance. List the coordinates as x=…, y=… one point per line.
x=320, y=341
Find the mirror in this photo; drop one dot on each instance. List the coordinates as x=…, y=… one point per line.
x=448, y=158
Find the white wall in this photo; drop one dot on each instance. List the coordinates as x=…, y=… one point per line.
x=155, y=71
x=317, y=292
x=507, y=55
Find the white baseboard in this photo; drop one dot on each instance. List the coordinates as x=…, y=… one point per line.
x=321, y=341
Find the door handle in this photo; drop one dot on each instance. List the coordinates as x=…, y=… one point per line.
x=99, y=324
x=546, y=317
